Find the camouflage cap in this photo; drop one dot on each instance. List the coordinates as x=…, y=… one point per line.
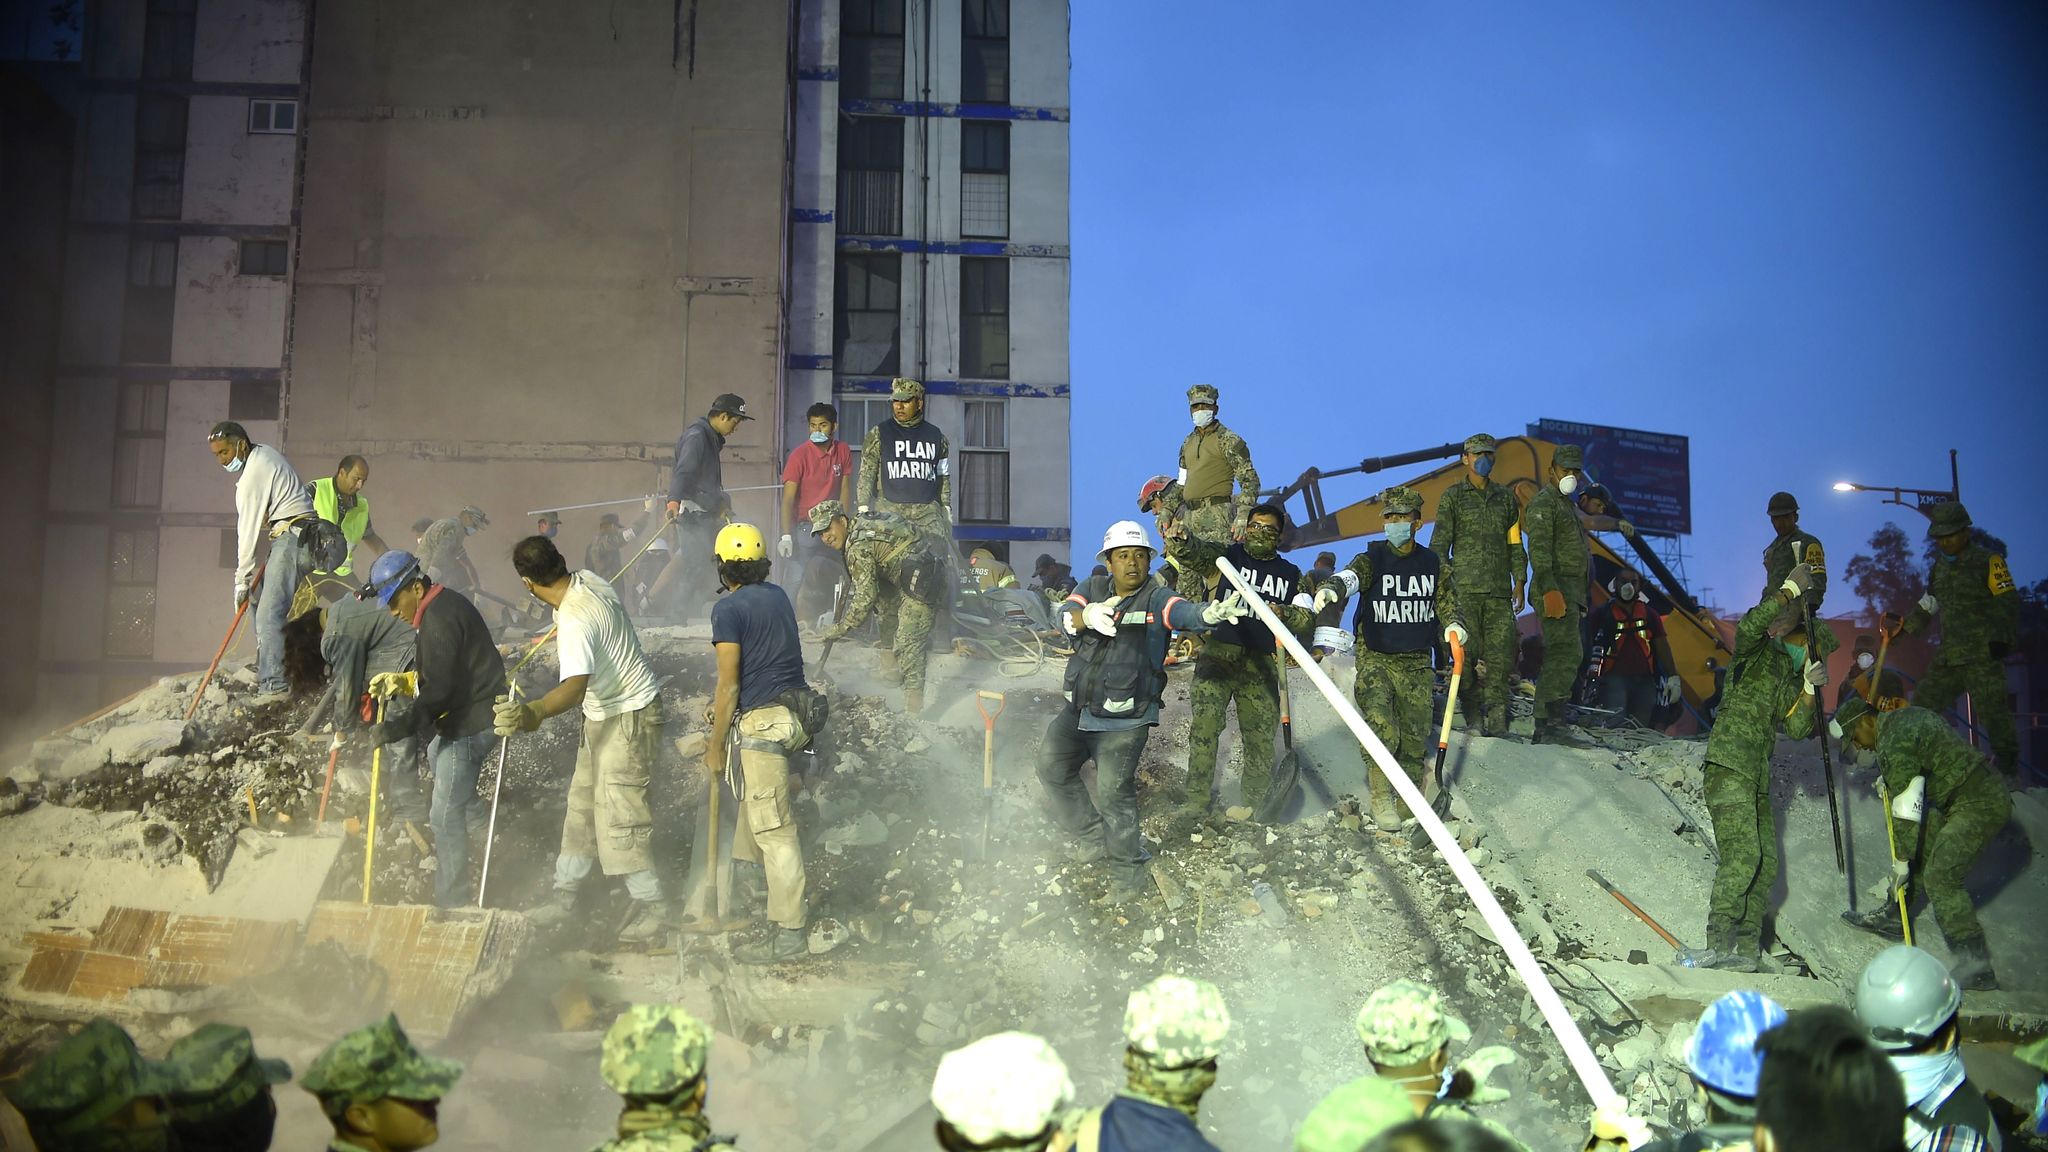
x=655, y=1050
x=1400, y=500
x=1176, y=1021
x=217, y=1072
x=823, y=513
x=94, y=1073
x=1480, y=442
x=1948, y=518
x=1406, y=1023
x=1002, y=1088
x=1349, y=1117
x=904, y=388
x=1853, y=709
x=373, y=1062
x=1202, y=394
x=475, y=513
x=1569, y=456
x=1782, y=504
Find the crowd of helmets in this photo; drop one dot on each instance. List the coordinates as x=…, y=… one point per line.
x=1887, y=1077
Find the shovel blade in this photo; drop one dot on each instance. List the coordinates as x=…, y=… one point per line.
x=1284, y=799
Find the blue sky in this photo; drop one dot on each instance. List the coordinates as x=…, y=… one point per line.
x=1811, y=237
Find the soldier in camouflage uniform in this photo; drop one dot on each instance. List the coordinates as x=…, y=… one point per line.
x=1006, y=1091
x=380, y=1091
x=222, y=1098
x=1352, y=1114
x=654, y=1056
x=1773, y=680
x=1558, y=562
x=1932, y=774
x=1405, y=605
x=906, y=468
x=1972, y=589
x=95, y=1091
x=1479, y=535
x=1407, y=1030
x=1214, y=461
x=1173, y=1033
x=1793, y=545
x=895, y=575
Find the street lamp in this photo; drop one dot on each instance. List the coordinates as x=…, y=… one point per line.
x=1924, y=499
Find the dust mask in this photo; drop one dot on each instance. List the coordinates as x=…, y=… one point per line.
x=1626, y=592
x=1400, y=533
x=1204, y=417
x=551, y=530
x=1483, y=466
x=234, y=465
x=1568, y=483
x=821, y=437
x=1864, y=660
x=1930, y=1078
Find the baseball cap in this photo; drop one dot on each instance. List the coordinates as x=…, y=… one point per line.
x=730, y=405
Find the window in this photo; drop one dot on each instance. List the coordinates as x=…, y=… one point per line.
x=274, y=117
x=131, y=594
x=253, y=399
x=985, y=51
x=867, y=314
x=264, y=257
x=985, y=464
x=856, y=416
x=167, y=40
x=159, y=156
x=984, y=178
x=152, y=295
x=871, y=176
x=984, y=318
x=871, y=49
x=139, y=444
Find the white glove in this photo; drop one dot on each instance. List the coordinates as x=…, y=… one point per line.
x=1303, y=600
x=1929, y=604
x=1816, y=674
x=1907, y=805
x=1070, y=623
x=1101, y=616
x=863, y=509
x=824, y=621
x=1231, y=608
x=241, y=595
x=1835, y=731
x=1673, y=687
x=1456, y=634
x=692, y=507
x=1612, y=1122
x=1902, y=871
x=784, y=547
x=1326, y=596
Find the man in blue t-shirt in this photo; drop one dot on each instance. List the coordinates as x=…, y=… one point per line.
x=760, y=674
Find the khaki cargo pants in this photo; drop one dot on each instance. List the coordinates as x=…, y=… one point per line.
x=608, y=814
x=767, y=828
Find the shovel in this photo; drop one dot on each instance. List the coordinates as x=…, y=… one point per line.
x=1442, y=804
x=333, y=751
x=988, y=759
x=1283, y=801
x=376, y=784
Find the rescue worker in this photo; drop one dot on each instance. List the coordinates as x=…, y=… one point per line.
x=1479, y=533
x=1241, y=661
x=1051, y=577
x=548, y=525
x=906, y=467
x=1112, y=685
x=1722, y=1058
x=1406, y=603
x=339, y=500
x=222, y=1096
x=1793, y=545
x=380, y=1093
x=1971, y=589
x=95, y=1091
x=1211, y=497
x=609, y=824
x=1773, y=681
x=819, y=469
x=989, y=573
x=1824, y=1086
x=606, y=551
x=346, y=645
x=1007, y=1091
x=698, y=505
x=1637, y=675
x=1950, y=807
x=1174, y=1029
x=895, y=575
x=1911, y=1007
x=1558, y=563
x=444, y=550
x=655, y=1056
x=1891, y=687
x=1597, y=512
x=1173, y=533
x=1351, y=1115
x=1407, y=1029
x=762, y=702
x=273, y=528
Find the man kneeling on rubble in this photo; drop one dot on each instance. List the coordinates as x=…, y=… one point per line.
x=608, y=823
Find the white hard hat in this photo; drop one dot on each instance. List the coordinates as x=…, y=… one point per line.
x=1004, y=1087
x=1124, y=534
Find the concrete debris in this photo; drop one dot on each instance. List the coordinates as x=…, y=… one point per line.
x=139, y=743
x=863, y=832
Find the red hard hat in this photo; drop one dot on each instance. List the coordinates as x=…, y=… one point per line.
x=1151, y=491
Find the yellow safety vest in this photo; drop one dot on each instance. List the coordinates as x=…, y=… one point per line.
x=327, y=502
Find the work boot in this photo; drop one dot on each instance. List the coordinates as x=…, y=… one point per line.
x=913, y=701
x=558, y=911
x=1088, y=851
x=1723, y=958
x=265, y=699
x=889, y=670
x=1972, y=971
x=779, y=945
x=1386, y=814
x=1880, y=921
x=652, y=922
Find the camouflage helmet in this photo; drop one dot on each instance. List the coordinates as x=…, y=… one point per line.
x=1479, y=442
x=1349, y=1117
x=823, y=513
x=1569, y=456
x=1853, y=709
x=1202, y=394
x=655, y=1050
x=217, y=1072
x=1948, y=518
x=904, y=388
x=1003, y=1088
x=374, y=1062
x=1782, y=504
x=1406, y=1023
x=474, y=513
x=1400, y=500
x=93, y=1074
x=1176, y=1022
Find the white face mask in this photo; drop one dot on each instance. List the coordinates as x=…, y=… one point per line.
x=234, y=465
x=1864, y=660
x=1930, y=1078
x=1568, y=484
x=1204, y=417
x=820, y=437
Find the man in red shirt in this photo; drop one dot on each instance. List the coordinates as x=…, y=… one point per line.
x=1637, y=674
x=818, y=470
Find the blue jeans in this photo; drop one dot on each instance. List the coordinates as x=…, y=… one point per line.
x=457, y=811
x=288, y=564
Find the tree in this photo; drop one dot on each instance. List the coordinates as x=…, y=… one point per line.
x=1886, y=578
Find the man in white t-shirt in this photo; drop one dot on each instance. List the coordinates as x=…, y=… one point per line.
x=609, y=824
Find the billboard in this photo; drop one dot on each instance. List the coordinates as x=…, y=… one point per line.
x=1648, y=472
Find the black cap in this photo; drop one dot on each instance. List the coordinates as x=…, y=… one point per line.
x=730, y=405
x=1782, y=504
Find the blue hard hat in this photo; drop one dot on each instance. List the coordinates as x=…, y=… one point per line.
x=392, y=571
x=1722, y=1052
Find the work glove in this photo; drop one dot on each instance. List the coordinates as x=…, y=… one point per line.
x=1553, y=605
x=1613, y=1128
x=1929, y=604
x=1625, y=528
x=785, y=547
x=511, y=717
x=1101, y=617
x=1797, y=581
x=1070, y=622
x=863, y=509
x=385, y=685
x=1327, y=595
x=690, y=506
x=1455, y=634
x=1231, y=608
x=1816, y=674
x=1479, y=1065
x=1909, y=804
x=1672, y=688
x=1902, y=873
x=1304, y=600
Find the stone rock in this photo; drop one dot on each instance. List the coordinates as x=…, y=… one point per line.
x=1636, y=1051
x=158, y=766
x=1470, y=834
x=690, y=745
x=140, y=743
x=866, y=831
x=81, y=764
x=1480, y=856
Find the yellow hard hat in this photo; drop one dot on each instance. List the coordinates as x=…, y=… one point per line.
x=740, y=542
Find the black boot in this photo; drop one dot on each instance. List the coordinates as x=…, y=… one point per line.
x=1972, y=971
x=1881, y=921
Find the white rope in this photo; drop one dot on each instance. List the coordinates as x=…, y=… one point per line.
x=1576, y=1050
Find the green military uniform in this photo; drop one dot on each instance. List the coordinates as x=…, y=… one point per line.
x=1352, y=1114
x=934, y=517
x=373, y=1063
x=1239, y=662
x=1765, y=689
x=1795, y=547
x=1558, y=562
x=1478, y=531
x=1212, y=497
x=219, y=1076
x=1405, y=1024
x=896, y=576
x=95, y=1090
x=1980, y=617
x=654, y=1056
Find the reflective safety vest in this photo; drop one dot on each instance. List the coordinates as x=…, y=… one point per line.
x=1629, y=619
x=1117, y=678
x=327, y=502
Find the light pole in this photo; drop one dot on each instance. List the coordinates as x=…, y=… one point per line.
x=1924, y=499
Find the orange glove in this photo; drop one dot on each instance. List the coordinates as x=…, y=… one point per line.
x=1553, y=605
